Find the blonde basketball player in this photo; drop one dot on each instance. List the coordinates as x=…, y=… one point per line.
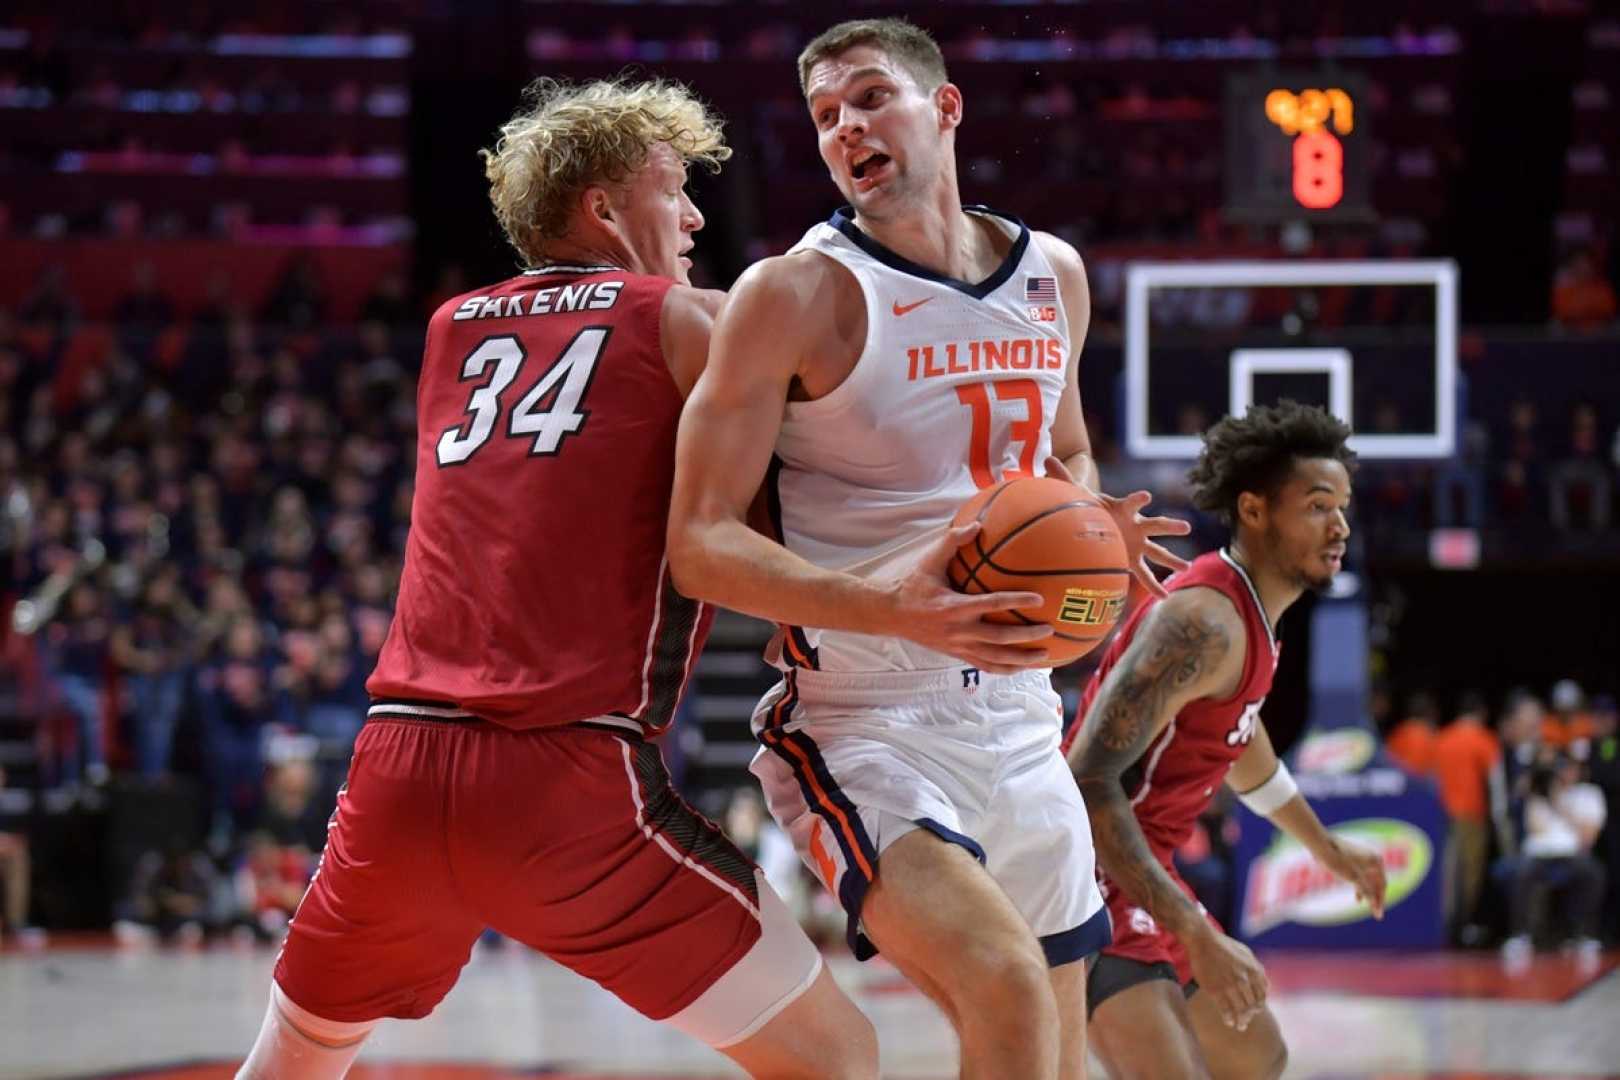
x=903, y=355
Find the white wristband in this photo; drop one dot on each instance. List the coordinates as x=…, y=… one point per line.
x=1271, y=796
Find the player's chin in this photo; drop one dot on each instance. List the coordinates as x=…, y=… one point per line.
x=1318, y=582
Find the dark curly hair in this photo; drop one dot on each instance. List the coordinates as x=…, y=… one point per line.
x=1257, y=451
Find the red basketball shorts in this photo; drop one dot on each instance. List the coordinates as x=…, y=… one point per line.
x=570, y=840
x=1138, y=935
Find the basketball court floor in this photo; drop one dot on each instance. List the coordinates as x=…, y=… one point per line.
x=86, y=1009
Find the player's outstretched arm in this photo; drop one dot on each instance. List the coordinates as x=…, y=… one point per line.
x=1190, y=646
x=1262, y=781
x=1071, y=443
x=728, y=431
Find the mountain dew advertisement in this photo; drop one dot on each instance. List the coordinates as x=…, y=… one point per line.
x=1286, y=898
x=1287, y=885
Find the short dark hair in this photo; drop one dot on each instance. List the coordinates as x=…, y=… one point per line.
x=1422, y=704
x=1472, y=702
x=1517, y=698
x=1257, y=451
x=909, y=44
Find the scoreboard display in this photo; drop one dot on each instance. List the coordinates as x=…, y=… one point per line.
x=1297, y=147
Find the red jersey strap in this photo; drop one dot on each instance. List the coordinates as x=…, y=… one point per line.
x=1259, y=611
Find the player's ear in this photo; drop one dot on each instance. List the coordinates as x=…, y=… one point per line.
x=948, y=100
x=597, y=205
x=1251, y=510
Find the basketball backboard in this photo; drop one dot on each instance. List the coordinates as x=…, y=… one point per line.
x=1373, y=341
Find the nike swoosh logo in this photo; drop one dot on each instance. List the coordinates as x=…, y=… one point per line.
x=902, y=309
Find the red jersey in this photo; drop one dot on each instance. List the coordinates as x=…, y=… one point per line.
x=1177, y=776
x=535, y=591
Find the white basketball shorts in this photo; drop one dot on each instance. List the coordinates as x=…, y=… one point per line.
x=852, y=762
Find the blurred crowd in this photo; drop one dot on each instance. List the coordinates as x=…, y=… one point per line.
x=1533, y=843
x=198, y=556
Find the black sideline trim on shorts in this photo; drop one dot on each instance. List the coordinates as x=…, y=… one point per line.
x=693, y=835
x=1111, y=975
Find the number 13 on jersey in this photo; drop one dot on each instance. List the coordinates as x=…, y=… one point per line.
x=1026, y=432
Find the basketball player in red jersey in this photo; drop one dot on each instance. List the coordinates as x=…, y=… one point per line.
x=504, y=777
x=1173, y=711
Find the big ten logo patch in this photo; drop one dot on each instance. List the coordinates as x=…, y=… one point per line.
x=1091, y=607
x=1142, y=923
x=1243, y=732
x=1042, y=313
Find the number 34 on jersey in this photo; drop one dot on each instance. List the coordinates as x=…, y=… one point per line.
x=551, y=410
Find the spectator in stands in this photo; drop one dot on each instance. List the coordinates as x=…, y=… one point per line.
x=151, y=645
x=762, y=839
x=1461, y=479
x=388, y=303
x=51, y=303
x=269, y=883
x=299, y=301
x=1563, y=816
x=330, y=696
x=1392, y=486
x=226, y=602
x=1568, y=726
x=76, y=643
x=237, y=701
x=1581, y=298
x=1603, y=766
x=170, y=897
x=1523, y=723
x=143, y=313
x=15, y=881
x=292, y=816
x=1582, y=476
x=1412, y=740
x=1523, y=461
x=1466, y=756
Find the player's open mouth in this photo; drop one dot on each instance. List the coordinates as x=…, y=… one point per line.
x=1334, y=558
x=867, y=169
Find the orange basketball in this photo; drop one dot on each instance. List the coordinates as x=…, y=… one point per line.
x=1048, y=536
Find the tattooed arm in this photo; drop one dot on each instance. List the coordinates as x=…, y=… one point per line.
x=1190, y=646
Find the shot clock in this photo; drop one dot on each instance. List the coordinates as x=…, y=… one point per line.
x=1297, y=147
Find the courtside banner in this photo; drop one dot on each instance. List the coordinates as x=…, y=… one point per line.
x=1284, y=897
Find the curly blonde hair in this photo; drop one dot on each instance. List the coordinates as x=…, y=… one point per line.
x=568, y=137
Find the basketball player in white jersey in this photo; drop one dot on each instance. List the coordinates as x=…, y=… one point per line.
x=902, y=356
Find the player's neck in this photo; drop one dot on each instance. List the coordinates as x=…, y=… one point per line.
x=934, y=233
x=1277, y=594
x=567, y=252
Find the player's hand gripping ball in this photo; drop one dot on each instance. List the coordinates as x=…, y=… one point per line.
x=1043, y=535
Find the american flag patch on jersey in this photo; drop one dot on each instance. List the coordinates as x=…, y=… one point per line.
x=1040, y=289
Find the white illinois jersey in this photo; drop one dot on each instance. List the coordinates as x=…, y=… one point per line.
x=955, y=390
